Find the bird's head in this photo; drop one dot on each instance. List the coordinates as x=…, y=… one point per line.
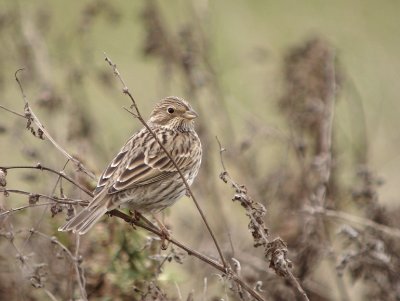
x=174, y=113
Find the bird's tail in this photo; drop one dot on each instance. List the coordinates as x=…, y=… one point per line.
x=85, y=220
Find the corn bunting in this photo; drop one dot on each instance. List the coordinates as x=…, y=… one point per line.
x=141, y=176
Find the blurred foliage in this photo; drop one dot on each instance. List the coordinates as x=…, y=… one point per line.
x=255, y=72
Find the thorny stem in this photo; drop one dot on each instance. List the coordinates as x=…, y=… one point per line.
x=138, y=115
x=30, y=115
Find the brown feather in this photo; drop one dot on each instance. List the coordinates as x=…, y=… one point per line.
x=141, y=175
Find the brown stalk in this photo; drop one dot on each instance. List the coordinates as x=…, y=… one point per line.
x=67, y=201
x=191, y=252
x=353, y=219
x=147, y=225
x=60, y=174
x=279, y=262
x=30, y=116
x=74, y=259
x=24, y=261
x=138, y=115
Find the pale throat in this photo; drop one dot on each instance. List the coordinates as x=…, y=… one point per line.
x=181, y=125
x=175, y=124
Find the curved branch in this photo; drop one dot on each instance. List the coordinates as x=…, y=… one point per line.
x=61, y=174
x=67, y=201
x=138, y=115
x=190, y=251
x=30, y=116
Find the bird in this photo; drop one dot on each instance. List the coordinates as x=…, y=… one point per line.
x=141, y=176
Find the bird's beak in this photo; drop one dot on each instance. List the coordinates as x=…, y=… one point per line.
x=190, y=114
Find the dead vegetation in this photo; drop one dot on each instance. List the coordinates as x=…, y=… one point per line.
x=325, y=236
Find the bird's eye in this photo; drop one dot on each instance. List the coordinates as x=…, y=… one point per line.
x=170, y=110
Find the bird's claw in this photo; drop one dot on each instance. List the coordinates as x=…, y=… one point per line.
x=165, y=237
x=135, y=217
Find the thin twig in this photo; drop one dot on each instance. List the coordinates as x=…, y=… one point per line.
x=60, y=174
x=55, y=199
x=138, y=115
x=347, y=217
x=10, y=211
x=285, y=271
x=74, y=259
x=36, y=197
x=30, y=115
x=24, y=260
x=145, y=224
x=190, y=251
x=13, y=112
x=51, y=296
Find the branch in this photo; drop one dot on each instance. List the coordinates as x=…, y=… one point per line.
x=395, y=232
x=37, y=196
x=138, y=115
x=60, y=174
x=32, y=270
x=12, y=112
x=190, y=251
x=31, y=117
x=276, y=249
x=145, y=224
x=23, y=207
x=74, y=259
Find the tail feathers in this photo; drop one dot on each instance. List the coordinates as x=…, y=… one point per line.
x=84, y=220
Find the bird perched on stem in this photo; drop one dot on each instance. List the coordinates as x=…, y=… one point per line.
x=141, y=176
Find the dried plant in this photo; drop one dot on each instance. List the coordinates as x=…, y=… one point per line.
x=312, y=236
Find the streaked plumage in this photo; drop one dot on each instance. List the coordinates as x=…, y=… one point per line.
x=141, y=176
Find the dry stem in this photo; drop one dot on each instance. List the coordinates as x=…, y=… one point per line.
x=145, y=224
x=139, y=116
x=31, y=117
x=276, y=249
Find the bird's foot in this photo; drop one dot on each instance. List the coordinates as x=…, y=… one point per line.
x=165, y=237
x=165, y=233
x=135, y=217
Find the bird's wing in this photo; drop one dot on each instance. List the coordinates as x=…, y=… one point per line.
x=116, y=163
x=142, y=161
